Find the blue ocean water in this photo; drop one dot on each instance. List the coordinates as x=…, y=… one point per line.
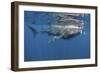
x=37, y=47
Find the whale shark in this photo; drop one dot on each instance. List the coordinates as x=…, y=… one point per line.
x=71, y=28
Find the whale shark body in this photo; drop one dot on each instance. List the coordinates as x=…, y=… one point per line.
x=72, y=28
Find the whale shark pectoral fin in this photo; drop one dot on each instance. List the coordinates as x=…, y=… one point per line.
x=54, y=39
x=57, y=37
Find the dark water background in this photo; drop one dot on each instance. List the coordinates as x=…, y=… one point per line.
x=37, y=47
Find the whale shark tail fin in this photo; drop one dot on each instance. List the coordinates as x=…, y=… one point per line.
x=33, y=30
